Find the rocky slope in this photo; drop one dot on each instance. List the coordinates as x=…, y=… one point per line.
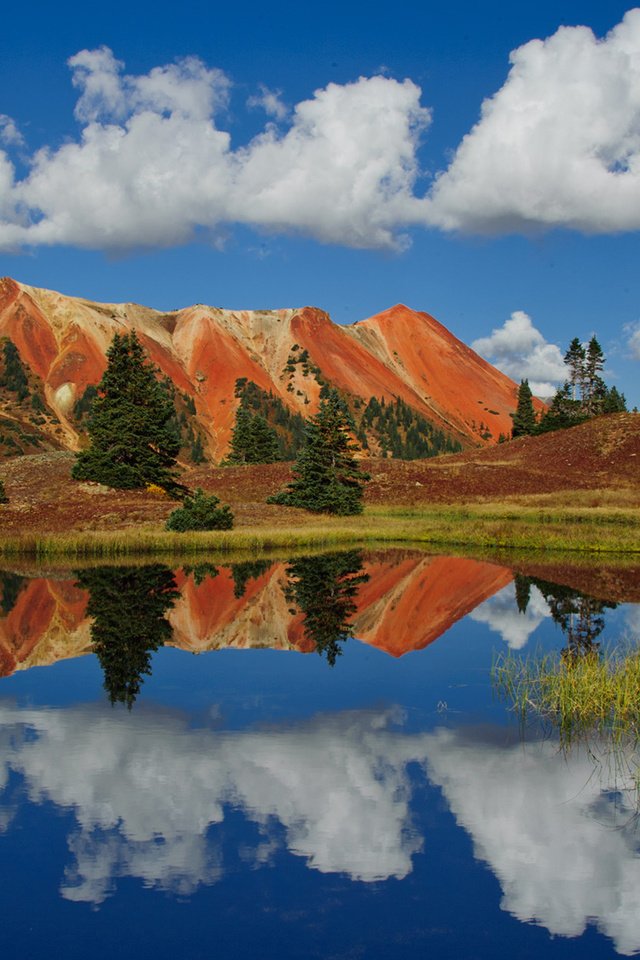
x=203, y=350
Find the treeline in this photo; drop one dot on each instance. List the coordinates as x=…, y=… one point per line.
x=583, y=395
x=401, y=432
x=266, y=430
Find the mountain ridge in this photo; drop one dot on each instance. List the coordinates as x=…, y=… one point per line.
x=398, y=354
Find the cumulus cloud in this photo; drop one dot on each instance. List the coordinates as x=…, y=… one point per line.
x=560, y=838
x=152, y=166
x=558, y=144
x=134, y=780
x=501, y=615
x=521, y=351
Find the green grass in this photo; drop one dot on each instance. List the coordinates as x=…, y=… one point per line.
x=592, y=696
x=481, y=526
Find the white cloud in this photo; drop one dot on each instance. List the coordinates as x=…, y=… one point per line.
x=10, y=136
x=270, y=101
x=521, y=351
x=501, y=615
x=633, y=341
x=560, y=837
x=558, y=144
x=338, y=785
x=149, y=795
x=151, y=166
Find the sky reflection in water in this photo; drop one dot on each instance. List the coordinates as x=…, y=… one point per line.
x=370, y=775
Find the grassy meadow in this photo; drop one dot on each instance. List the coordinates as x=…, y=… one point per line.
x=506, y=525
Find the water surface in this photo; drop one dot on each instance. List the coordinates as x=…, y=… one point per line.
x=331, y=775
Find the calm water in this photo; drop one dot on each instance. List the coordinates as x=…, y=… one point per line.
x=287, y=792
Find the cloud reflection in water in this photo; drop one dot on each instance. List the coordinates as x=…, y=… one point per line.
x=149, y=795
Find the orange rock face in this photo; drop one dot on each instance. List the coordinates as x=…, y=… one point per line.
x=204, y=350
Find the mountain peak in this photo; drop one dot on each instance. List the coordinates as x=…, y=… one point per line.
x=399, y=353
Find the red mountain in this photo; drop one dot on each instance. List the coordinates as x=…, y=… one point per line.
x=396, y=354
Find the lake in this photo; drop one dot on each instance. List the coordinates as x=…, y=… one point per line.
x=306, y=758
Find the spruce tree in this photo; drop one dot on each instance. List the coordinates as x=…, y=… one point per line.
x=132, y=425
x=327, y=478
x=524, y=419
x=575, y=359
x=263, y=442
x=594, y=386
x=253, y=440
x=614, y=401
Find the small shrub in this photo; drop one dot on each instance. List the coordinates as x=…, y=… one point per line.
x=3, y=496
x=200, y=512
x=155, y=490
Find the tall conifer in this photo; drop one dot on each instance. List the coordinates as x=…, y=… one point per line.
x=132, y=426
x=327, y=478
x=524, y=419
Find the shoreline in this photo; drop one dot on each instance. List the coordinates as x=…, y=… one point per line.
x=500, y=526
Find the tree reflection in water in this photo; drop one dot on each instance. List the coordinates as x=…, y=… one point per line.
x=128, y=606
x=579, y=616
x=324, y=588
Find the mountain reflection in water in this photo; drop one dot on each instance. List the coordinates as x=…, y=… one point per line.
x=150, y=797
x=392, y=600
x=381, y=808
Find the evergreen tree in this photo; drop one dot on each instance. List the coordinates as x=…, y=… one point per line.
x=263, y=442
x=14, y=376
x=128, y=606
x=197, y=450
x=594, y=386
x=327, y=478
x=243, y=572
x=524, y=419
x=564, y=411
x=3, y=493
x=132, y=425
x=614, y=402
x=523, y=592
x=325, y=588
x=253, y=440
x=575, y=359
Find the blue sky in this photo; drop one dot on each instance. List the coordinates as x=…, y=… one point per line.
x=258, y=156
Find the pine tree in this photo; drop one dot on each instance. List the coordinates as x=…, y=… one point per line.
x=524, y=419
x=327, y=478
x=575, y=359
x=263, y=442
x=253, y=440
x=132, y=426
x=594, y=386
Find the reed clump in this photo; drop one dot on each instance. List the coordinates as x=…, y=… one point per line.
x=593, y=695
